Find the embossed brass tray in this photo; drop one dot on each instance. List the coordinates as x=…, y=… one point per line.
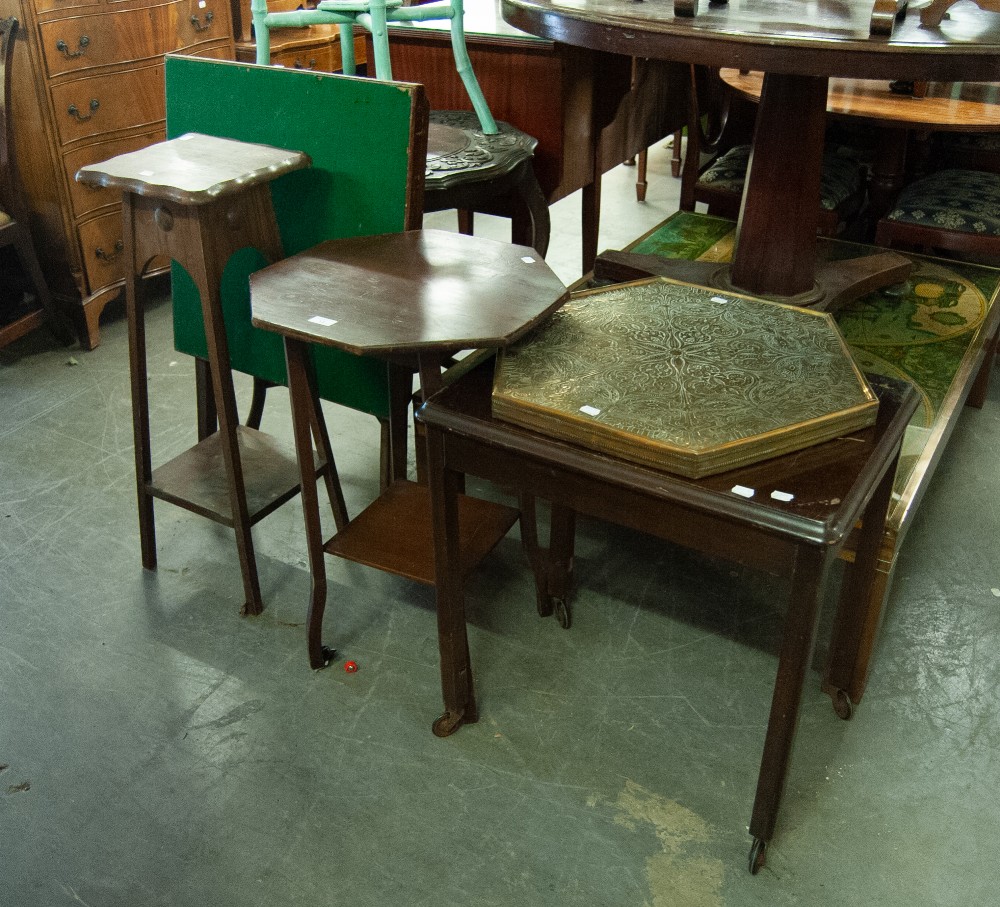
x=684, y=378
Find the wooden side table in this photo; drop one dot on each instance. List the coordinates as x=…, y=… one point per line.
x=416, y=298
x=492, y=174
x=833, y=486
x=198, y=199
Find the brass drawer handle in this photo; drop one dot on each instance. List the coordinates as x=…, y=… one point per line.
x=109, y=257
x=299, y=65
x=81, y=118
x=63, y=47
x=209, y=16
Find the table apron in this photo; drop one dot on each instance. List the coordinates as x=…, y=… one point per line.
x=740, y=543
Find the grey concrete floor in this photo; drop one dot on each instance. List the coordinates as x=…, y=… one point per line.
x=158, y=749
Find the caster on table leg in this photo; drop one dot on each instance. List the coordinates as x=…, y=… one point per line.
x=326, y=655
x=842, y=704
x=544, y=603
x=447, y=724
x=450, y=722
x=563, y=613
x=758, y=855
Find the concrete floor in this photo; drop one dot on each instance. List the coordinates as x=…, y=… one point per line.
x=157, y=749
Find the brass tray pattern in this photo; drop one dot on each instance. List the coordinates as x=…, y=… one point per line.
x=684, y=378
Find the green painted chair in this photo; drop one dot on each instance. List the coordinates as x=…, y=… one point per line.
x=367, y=143
x=473, y=162
x=375, y=16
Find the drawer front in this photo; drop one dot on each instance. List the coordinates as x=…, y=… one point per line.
x=318, y=57
x=126, y=35
x=66, y=6
x=222, y=50
x=104, y=258
x=101, y=245
x=80, y=42
x=116, y=100
x=321, y=56
x=201, y=21
x=87, y=199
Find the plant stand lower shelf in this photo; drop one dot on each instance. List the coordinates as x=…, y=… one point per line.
x=196, y=479
x=373, y=538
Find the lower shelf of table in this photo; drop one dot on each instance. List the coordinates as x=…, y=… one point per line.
x=394, y=532
x=196, y=479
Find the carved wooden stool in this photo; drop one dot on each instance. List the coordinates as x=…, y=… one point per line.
x=199, y=199
x=472, y=171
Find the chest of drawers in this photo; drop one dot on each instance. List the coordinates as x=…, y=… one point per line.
x=88, y=85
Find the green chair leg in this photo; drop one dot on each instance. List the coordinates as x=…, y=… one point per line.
x=464, y=66
x=347, y=61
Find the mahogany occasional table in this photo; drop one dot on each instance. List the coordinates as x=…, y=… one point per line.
x=416, y=298
x=835, y=485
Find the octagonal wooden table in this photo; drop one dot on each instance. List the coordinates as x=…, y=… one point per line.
x=415, y=298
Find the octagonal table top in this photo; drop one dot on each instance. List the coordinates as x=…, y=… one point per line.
x=417, y=291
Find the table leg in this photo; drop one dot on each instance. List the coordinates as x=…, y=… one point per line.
x=590, y=198
x=208, y=416
x=775, y=251
x=204, y=259
x=138, y=373
x=859, y=612
x=303, y=403
x=553, y=569
x=453, y=641
x=562, y=541
x=888, y=171
x=808, y=579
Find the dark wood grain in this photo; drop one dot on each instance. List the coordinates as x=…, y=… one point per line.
x=419, y=291
x=193, y=169
x=799, y=49
x=827, y=38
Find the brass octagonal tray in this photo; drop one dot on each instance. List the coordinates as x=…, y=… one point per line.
x=684, y=378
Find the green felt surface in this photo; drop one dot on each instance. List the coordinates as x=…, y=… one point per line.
x=357, y=132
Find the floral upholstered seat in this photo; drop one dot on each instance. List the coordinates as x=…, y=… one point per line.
x=840, y=180
x=966, y=201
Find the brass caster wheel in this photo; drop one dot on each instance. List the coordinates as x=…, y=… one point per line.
x=563, y=614
x=758, y=855
x=447, y=724
x=842, y=705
